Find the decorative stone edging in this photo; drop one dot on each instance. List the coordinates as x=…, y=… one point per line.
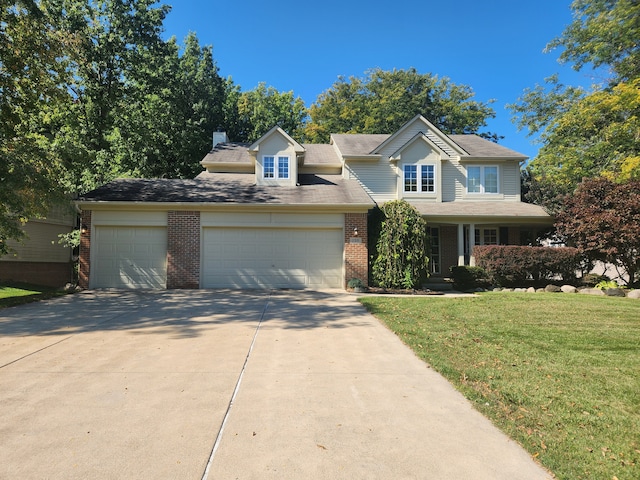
x=609, y=292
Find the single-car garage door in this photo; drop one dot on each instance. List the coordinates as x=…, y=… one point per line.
x=129, y=257
x=272, y=258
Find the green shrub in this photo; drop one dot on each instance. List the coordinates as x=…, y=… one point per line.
x=512, y=265
x=469, y=278
x=402, y=259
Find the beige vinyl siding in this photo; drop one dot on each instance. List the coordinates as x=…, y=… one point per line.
x=510, y=172
x=41, y=244
x=272, y=219
x=123, y=217
x=378, y=179
x=453, y=180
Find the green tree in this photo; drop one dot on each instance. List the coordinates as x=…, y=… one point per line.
x=107, y=43
x=602, y=219
x=598, y=136
x=177, y=104
x=264, y=107
x=31, y=79
x=383, y=101
x=402, y=258
x=587, y=133
x=604, y=33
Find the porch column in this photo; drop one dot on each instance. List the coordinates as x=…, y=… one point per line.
x=461, y=244
x=472, y=243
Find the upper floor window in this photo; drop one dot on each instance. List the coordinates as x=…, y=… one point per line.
x=419, y=178
x=275, y=167
x=482, y=179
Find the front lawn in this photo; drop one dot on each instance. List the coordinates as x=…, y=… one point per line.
x=559, y=373
x=17, y=294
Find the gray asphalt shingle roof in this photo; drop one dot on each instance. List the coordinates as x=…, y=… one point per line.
x=233, y=188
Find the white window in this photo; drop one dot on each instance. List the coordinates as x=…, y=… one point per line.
x=482, y=179
x=424, y=182
x=275, y=167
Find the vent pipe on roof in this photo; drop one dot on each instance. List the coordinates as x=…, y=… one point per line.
x=219, y=137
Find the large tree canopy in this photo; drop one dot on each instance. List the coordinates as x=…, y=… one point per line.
x=89, y=91
x=382, y=101
x=602, y=219
x=31, y=80
x=604, y=33
x=587, y=133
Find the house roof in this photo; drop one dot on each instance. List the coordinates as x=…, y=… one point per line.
x=482, y=209
x=355, y=144
x=232, y=188
x=477, y=146
x=229, y=153
x=358, y=144
x=238, y=153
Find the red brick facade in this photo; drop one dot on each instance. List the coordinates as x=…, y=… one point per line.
x=48, y=274
x=356, y=254
x=183, y=249
x=85, y=249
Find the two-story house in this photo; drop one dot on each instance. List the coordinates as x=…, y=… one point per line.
x=279, y=214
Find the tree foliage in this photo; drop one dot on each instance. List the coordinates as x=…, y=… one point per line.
x=587, y=133
x=89, y=91
x=262, y=108
x=602, y=219
x=31, y=80
x=604, y=33
x=383, y=101
x=402, y=258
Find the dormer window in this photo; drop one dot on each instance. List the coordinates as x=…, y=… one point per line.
x=275, y=167
x=482, y=179
x=420, y=178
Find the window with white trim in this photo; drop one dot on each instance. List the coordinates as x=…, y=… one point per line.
x=424, y=182
x=275, y=167
x=482, y=179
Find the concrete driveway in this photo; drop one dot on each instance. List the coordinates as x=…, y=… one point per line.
x=230, y=385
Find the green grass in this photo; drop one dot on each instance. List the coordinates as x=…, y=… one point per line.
x=18, y=294
x=558, y=373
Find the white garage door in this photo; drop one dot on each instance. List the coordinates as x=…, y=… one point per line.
x=272, y=258
x=129, y=257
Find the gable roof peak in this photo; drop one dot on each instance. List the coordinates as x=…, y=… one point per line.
x=276, y=130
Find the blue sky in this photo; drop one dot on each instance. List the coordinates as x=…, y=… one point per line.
x=494, y=46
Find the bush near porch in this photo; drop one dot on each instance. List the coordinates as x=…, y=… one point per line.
x=518, y=266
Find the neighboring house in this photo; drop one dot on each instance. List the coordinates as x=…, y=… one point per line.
x=278, y=214
x=39, y=259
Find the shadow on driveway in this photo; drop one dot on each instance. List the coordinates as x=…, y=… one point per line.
x=185, y=312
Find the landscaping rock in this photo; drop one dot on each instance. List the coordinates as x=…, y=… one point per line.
x=540, y=290
x=497, y=289
x=520, y=290
x=592, y=291
x=552, y=289
x=634, y=294
x=568, y=289
x=531, y=290
x=614, y=292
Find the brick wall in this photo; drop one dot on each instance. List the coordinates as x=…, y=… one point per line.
x=85, y=249
x=356, y=254
x=183, y=249
x=48, y=274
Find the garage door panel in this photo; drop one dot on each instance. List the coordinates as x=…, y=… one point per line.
x=272, y=258
x=129, y=257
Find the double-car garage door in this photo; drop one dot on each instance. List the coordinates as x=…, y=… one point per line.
x=271, y=258
x=231, y=257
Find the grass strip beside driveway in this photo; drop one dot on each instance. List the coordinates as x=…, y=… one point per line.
x=558, y=373
x=18, y=294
